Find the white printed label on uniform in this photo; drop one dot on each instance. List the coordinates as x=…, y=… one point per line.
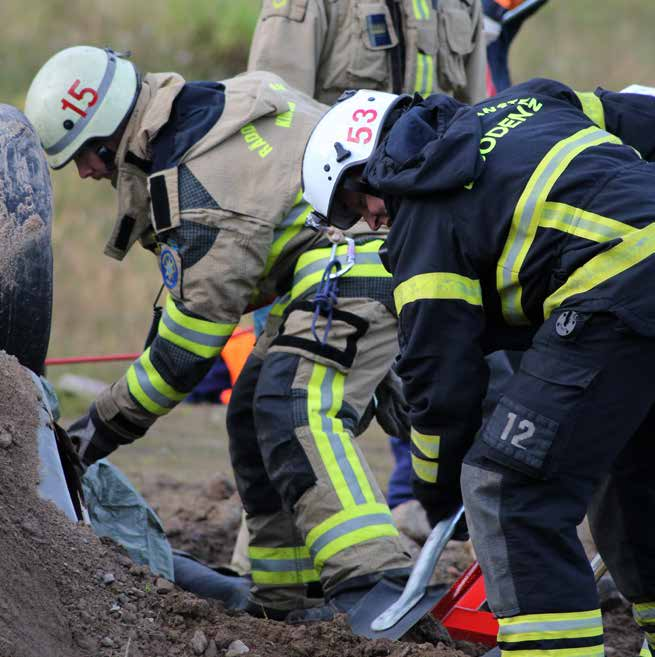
x=523, y=437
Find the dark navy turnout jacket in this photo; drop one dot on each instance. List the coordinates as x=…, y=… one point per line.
x=537, y=200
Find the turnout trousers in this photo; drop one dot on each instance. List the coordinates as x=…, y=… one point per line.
x=573, y=432
x=313, y=508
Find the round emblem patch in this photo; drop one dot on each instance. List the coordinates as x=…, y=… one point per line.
x=168, y=267
x=566, y=323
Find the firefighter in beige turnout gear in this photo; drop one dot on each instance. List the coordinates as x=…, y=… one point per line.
x=325, y=46
x=208, y=178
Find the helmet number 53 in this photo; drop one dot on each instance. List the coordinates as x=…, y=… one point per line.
x=79, y=95
x=362, y=134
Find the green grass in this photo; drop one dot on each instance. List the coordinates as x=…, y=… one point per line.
x=199, y=39
x=102, y=306
x=587, y=43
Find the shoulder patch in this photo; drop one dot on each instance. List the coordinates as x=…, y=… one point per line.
x=292, y=9
x=170, y=267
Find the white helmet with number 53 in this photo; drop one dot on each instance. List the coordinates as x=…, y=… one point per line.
x=81, y=93
x=344, y=138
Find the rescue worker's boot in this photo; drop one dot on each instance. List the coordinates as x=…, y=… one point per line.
x=347, y=596
x=284, y=603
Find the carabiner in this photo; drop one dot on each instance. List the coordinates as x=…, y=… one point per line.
x=351, y=258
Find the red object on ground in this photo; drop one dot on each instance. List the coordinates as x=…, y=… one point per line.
x=460, y=610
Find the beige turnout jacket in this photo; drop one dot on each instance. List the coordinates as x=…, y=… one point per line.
x=326, y=46
x=209, y=179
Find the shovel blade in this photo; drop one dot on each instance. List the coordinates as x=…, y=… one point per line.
x=379, y=599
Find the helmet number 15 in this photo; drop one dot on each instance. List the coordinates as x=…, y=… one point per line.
x=362, y=134
x=79, y=95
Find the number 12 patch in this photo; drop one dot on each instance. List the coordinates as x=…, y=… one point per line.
x=523, y=437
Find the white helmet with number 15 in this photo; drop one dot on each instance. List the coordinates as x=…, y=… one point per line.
x=81, y=93
x=344, y=138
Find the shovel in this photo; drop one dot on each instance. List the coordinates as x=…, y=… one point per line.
x=388, y=610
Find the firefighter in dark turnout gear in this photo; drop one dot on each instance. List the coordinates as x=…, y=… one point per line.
x=531, y=213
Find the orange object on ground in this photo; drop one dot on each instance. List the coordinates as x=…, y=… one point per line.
x=235, y=354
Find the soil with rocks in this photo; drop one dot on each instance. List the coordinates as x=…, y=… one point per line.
x=203, y=519
x=66, y=593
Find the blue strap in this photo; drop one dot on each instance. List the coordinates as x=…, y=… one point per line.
x=327, y=296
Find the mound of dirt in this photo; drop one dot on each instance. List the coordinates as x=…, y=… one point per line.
x=66, y=593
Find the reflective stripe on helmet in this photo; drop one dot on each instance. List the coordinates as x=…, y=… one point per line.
x=72, y=134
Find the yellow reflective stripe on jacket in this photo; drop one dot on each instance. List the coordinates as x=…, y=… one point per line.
x=148, y=387
x=429, y=445
x=645, y=650
x=421, y=10
x=424, y=74
x=286, y=230
x=592, y=107
x=341, y=460
x=437, y=285
x=528, y=214
x=282, y=566
x=280, y=305
x=199, y=336
x=311, y=266
x=425, y=470
x=635, y=247
x=582, y=223
x=348, y=528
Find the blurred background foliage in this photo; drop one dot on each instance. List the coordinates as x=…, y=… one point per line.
x=103, y=306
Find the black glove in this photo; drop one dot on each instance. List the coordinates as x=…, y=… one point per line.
x=92, y=438
x=440, y=505
x=391, y=409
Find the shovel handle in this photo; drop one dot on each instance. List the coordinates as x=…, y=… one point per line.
x=421, y=573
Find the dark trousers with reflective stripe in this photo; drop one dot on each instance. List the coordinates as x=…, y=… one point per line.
x=574, y=430
x=313, y=505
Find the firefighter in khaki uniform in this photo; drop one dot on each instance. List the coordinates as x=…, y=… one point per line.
x=325, y=46
x=208, y=177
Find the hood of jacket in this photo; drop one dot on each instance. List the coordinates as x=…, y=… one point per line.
x=433, y=147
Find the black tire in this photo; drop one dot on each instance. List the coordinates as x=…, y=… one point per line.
x=25, y=242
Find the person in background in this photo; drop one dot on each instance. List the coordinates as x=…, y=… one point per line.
x=502, y=21
x=326, y=47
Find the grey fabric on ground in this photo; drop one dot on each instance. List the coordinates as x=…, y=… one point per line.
x=117, y=510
